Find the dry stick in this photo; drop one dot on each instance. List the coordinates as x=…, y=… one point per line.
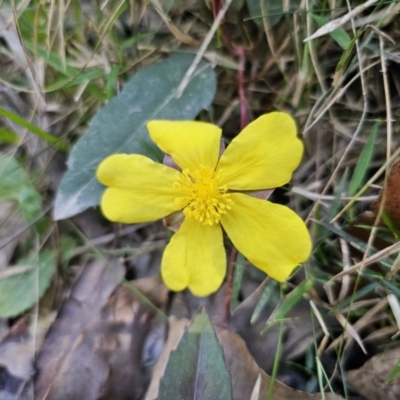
x=203, y=48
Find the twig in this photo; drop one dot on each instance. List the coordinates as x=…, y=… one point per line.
x=202, y=49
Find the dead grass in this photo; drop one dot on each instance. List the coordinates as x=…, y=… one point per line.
x=64, y=60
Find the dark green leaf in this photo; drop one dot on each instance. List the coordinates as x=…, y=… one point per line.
x=197, y=369
x=22, y=289
x=120, y=127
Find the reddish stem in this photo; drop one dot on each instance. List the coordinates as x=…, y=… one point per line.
x=239, y=52
x=217, y=5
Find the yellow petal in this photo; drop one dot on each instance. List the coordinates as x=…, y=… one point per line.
x=140, y=189
x=271, y=236
x=263, y=155
x=189, y=143
x=195, y=258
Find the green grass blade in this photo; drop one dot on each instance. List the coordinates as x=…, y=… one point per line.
x=340, y=36
x=286, y=304
x=56, y=142
x=339, y=191
x=364, y=161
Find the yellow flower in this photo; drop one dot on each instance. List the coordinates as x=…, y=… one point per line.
x=211, y=192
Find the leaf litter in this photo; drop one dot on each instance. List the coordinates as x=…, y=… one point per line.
x=99, y=335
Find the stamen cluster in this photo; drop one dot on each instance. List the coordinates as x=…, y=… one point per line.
x=203, y=197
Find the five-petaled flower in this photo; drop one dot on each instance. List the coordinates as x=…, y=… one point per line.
x=211, y=191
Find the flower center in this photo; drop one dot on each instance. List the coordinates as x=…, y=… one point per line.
x=202, y=196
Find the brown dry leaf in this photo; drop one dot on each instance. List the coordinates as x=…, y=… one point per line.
x=243, y=369
x=392, y=195
x=16, y=358
x=371, y=379
x=89, y=294
x=94, y=349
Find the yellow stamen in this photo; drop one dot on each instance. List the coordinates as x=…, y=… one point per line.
x=202, y=196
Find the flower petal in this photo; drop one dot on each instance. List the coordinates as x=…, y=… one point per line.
x=140, y=189
x=263, y=155
x=195, y=258
x=271, y=236
x=189, y=143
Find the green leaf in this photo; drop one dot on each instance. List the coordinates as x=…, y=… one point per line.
x=286, y=304
x=395, y=372
x=120, y=126
x=22, y=286
x=340, y=36
x=197, y=369
x=364, y=161
x=16, y=185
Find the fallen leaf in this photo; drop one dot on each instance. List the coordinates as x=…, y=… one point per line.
x=89, y=294
x=196, y=369
x=243, y=369
x=391, y=192
x=17, y=350
x=371, y=380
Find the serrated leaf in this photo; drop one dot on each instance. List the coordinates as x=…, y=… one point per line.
x=16, y=185
x=340, y=36
x=197, y=368
x=22, y=286
x=120, y=126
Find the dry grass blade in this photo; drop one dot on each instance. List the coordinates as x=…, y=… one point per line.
x=351, y=331
x=337, y=23
x=203, y=48
x=394, y=248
